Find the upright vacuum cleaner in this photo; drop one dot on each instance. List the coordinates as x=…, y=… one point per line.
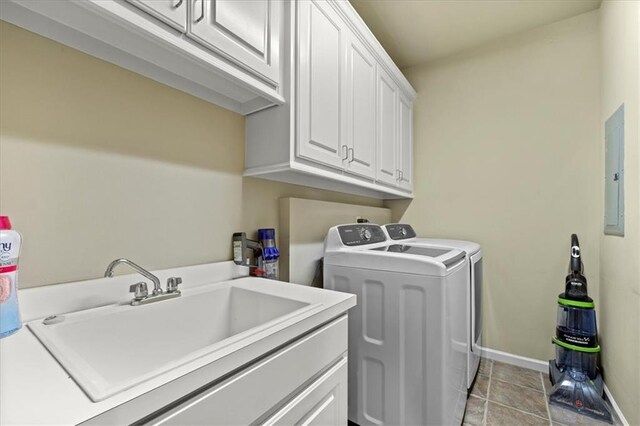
x=574, y=373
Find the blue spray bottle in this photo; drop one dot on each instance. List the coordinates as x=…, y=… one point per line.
x=270, y=253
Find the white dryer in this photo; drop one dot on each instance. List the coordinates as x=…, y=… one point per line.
x=407, y=334
x=404, y=234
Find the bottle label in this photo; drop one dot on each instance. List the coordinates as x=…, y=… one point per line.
x=5, y=287
x=5, y=256
x=237, y=252
x=8, y=268
x=9, y=248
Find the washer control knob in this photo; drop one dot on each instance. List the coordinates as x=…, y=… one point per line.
x=403, y=231
x=365, y=234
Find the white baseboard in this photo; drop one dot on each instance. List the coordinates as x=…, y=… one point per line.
x=543, y=367
x=520, y=361
x=615, y=407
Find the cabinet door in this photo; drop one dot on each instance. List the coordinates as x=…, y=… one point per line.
x=360, y=90
x=387, y=130
x=320, y=101
x=171, y=12
x=250, y=394
x=324, y=402
x=246, y=32
x=405, y=161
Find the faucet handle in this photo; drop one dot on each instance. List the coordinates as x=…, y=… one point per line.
x=140, y=290
x=173, y=283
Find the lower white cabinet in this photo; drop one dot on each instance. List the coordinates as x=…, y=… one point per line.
x=324, y=402
x=312, y=369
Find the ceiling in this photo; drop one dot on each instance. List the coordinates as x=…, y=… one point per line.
x=417, y=31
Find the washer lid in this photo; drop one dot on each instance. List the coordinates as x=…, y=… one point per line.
x=468, y=246
x=350, y=246
x=446, y=256
x=404, y=233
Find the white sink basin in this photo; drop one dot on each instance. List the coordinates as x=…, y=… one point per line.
x=107, y=350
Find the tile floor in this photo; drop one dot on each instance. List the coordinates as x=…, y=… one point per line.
x=504, y=394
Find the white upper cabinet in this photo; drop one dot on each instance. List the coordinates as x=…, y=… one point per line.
x=320, y=89
x=326, y=106
x=387, y=129
x=360, y=94
x=405, y=160
x=347, y=122
x=336, y=92
x=227, y=52
x=172, y=12
x=395, y=134
x=244, y=31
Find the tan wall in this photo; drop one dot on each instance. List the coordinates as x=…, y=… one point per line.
x=506, y=145
x=303, y=228
x=97, y=163
x=620, y=256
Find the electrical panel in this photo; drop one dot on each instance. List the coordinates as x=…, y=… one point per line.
x=614, y=174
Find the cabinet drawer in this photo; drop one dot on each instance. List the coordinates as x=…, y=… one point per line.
x=324, y=402
x=245, y=397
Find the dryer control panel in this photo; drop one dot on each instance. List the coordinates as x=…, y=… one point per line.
x=400, y=231
x=361, y=234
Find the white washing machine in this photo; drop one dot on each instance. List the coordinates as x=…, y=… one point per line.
x=404, y=234
x=407, y=334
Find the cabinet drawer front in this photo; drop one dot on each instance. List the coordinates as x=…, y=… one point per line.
x=324, y=402
x=245, y=397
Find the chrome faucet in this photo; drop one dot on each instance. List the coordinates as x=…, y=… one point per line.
x=139, y=269
x=140, y=289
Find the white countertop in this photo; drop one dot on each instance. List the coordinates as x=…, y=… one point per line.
x=35, y=389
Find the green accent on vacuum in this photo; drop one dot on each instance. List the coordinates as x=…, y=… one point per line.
x=574, y=347
x=575, y=303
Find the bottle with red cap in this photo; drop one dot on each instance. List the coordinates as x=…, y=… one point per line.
x=10, y=241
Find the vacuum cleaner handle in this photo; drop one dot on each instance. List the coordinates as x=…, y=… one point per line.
x=576, y=262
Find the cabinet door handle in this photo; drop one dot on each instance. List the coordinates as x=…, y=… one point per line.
x=177, y=5
x=201, y=10
x=352, y=158
x=345, y=149
x=397, y=175
x=401, y=175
